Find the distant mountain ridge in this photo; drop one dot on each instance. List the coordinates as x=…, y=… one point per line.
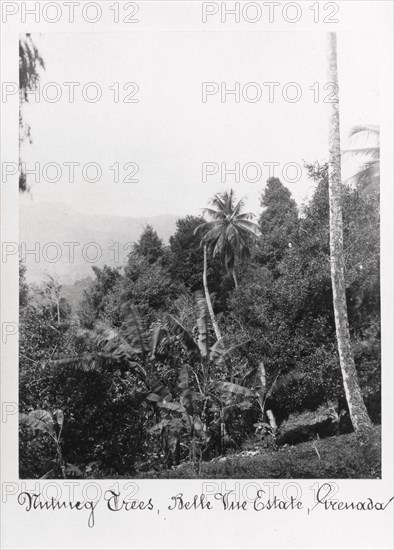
x=68, y=244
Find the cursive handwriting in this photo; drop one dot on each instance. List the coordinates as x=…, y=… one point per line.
x=115, y=504
x=323, y=500
x=199, y=502
x=33, y=502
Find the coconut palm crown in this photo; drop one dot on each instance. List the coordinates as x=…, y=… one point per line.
x=368, y=175
x=229, y=231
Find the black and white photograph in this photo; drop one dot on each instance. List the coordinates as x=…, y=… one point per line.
x=196, y=274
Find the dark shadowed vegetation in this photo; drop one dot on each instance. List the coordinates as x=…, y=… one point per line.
x=138, y=383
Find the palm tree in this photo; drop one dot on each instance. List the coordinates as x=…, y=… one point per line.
x=358, y=412
x=227, y=234
x=215, y=325
x=368, y=175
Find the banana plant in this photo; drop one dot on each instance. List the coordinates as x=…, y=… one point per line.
x=260, y=392
x=188, y=422
x=130, y=347
x=50, y=424
x=202, y=406
x=207, y=411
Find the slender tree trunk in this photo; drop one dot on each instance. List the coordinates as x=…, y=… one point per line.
x=61, y=461
x=262, y=382
x=358, y=412
x=271, y=420
x=234, y=278
x=208, y=298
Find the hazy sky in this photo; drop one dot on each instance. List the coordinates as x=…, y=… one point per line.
x=170, y=132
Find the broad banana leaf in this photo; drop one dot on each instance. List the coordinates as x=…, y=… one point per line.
x=158, y=388
x=233, y=388
x=176, y=407
x=134, y=331
x=153, y=397
x=38, y=421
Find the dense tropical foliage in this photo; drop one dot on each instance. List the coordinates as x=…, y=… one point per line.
x=136, y=382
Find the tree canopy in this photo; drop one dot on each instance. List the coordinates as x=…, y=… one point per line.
x=198, y=398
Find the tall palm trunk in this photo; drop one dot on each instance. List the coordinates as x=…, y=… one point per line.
x=208, y=298
x=358, y=412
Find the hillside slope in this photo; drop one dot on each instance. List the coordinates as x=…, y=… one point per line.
x=97, y=239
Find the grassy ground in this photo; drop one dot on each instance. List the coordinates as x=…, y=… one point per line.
x=337, y=457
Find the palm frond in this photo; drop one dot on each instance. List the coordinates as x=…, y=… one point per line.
x=237, y=208
x=202, y=226
x=249, y=226
x=215, y=214
x=368, y=174
x=367, y=129
x=219, y=245
x=245, y=216
x=212, y=234
x=373, y=152
x=219, y=202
